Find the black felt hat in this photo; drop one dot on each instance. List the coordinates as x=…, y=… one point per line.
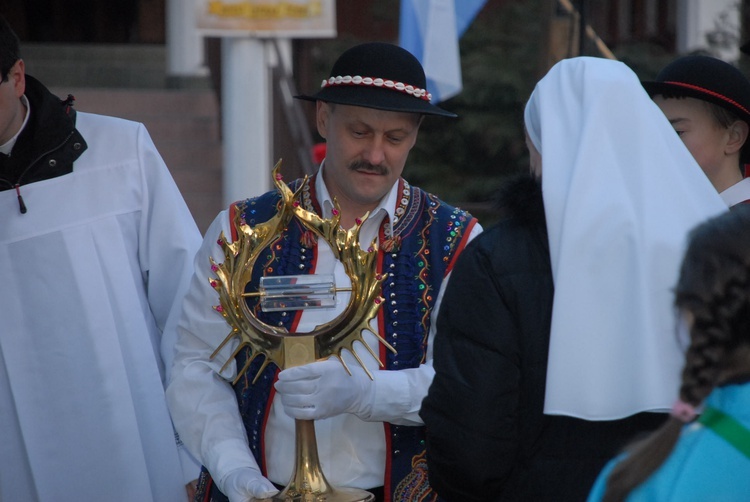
x=706, y=78
x=378, y=75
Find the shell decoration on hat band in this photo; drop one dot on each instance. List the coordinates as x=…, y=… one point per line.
x=417, y=92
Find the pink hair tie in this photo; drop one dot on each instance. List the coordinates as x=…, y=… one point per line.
x=683, y=411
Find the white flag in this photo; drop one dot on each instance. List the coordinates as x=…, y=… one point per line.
x=430, y=30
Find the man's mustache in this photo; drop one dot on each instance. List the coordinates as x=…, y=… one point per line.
x=361, y=165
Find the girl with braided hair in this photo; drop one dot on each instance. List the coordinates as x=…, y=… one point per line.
x=703, y=451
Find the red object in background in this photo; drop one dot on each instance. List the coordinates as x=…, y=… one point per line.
x=318, y=153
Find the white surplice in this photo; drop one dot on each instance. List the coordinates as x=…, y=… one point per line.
x=87, y=279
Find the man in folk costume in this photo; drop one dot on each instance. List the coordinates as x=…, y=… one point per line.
x=369, y=432
x=707, y=101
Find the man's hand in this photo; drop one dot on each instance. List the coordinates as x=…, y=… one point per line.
x=246, y=485
x=324, y=389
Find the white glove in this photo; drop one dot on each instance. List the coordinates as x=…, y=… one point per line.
x=324, y=389
x=245, y=485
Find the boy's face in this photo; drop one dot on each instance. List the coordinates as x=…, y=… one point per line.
x=696, y=126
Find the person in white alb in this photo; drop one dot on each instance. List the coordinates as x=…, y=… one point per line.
x=96, y=246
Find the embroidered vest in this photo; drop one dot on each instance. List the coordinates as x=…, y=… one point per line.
x=427, y=237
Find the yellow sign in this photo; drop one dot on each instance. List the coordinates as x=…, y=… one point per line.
x=268, y=18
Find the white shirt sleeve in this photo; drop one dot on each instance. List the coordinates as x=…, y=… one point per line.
x=200, y=396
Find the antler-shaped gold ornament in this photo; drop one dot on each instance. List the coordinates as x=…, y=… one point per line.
x=331, y=338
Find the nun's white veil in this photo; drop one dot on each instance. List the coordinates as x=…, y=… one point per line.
x=620, y=192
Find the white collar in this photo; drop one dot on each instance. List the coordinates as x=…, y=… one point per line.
x=387, y=205
x=8, y=146
x=737, y=193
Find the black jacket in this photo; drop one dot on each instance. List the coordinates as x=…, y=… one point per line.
x=48, y=145
x=487, y=436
